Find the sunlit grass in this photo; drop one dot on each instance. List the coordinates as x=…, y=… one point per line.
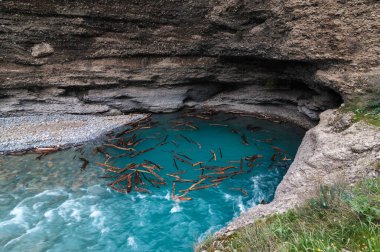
x=340, y=218
x=368, y=111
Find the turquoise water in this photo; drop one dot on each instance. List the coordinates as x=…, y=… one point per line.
x=52, y=204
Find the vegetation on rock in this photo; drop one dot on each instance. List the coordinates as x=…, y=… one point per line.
x=340, y=219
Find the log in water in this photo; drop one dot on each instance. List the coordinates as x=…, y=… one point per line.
x=159, y=186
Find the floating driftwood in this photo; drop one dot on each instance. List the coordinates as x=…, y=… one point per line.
x=138, y=142
x=187, y=124
x=153, y=163
x=176, y=173
x=225, y=168
x=108, y=157
x=158, y=182
x=244, y=139
x=198, y=116
x=141, y=152
x=278, y=150
x=165, y=138
x=118, y=147
x=196, y=183
x=198, y=163
x=253, y=128
x=185, y=137
x=184, y=198
x=45, y=151
x=149, y=167
x=253, y=158
x=197, y=143
x=181, y=180
x=240, y=189
x=84, y=164
x=175, y=164
x=268, y=140
x=213, y=155
x=219, y=179
x=235, y=131
x=134, y=126
x=182, y=160
x=128, y=131
x=174, y=143
x=185, y=156
x=142, y=190
x=118, y=170
x=179, y=197
x=218, y=168
x=135, y=176
x=218, y=124
x=203, y=187
x=97, y=150
x=131, y=140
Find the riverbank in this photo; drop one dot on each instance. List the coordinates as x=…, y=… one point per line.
x=338, y=149
x=28, y=132
x=339, y=218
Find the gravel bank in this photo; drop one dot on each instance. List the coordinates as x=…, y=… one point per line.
x=27, y=132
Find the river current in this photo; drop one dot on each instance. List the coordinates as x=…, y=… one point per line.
x=57, y=203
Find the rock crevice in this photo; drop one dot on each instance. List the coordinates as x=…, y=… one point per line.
x=173, y=50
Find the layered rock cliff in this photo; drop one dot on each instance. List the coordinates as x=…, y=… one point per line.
x=287, y=59
x=111, y=57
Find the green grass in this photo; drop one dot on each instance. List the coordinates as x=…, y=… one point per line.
x=368, y=111
x=370, y=114
x=340, y=218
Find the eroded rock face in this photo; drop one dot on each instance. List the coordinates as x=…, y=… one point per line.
x=42, y=50
x=329, y=154
x=186, y=52
x=291, y=59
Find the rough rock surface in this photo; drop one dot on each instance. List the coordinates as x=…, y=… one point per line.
x=329, y=154
x=291, y=59
x=23, y=133
x=42, y=50
x=179, y=48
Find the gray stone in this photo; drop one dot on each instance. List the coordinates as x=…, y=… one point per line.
x=27, y=132
x=288, y=61
x=42, y=50
x=324, y=157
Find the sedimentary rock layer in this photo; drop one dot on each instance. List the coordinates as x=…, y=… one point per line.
x=112, y=57
x=291, y=59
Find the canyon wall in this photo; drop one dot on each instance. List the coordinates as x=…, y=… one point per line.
x=111, y=57
x=288, y=59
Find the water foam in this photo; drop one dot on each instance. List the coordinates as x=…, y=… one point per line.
x=99, y=220
x=132, y=242
x=176, y=208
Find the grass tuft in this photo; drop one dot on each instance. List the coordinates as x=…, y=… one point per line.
x=339, y=219
x=368, y=111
